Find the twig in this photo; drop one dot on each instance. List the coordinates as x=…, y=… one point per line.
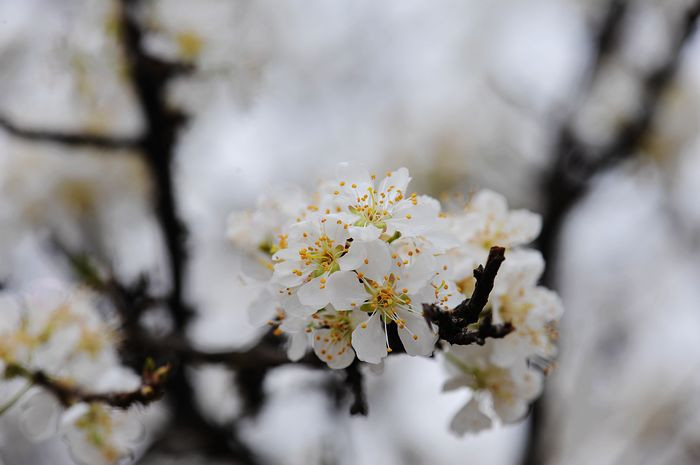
x=468, y=323
x=151, y=389
x=95, y=141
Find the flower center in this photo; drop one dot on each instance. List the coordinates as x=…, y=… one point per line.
x=322, y=256
x=373, y=207
x=386, y=299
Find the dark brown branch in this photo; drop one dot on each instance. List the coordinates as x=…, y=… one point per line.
x=94, y=141
x=150, y=77
x=468, y=323
x=151, y=389
x=354, y=380
x=576, y=164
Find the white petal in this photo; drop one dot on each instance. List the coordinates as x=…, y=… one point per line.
x=346, y=291
x=399, y=179
x=378, y=260
x=490, y=202
x=298, y=342
x=334, y=230
x=523, y=226
x=510, y=410
x=417, y=337
x=353, y=259
x=337, y=355
x=262, y=309
x=290, y=253
x=313, y=295
x=284, y=275
x=369, y=341
x=365, y=233
x=470, y=418
x=291, y=305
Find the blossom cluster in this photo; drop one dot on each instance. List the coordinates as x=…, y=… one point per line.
x=60, y=335
x=352, y=264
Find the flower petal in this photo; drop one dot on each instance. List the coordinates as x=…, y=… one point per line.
x=369, y=341
x=337, y=354
x=346, y=291
x=470, y=418
x=417, y=337
x=378, y=261
x=314, y=293
x=354, y=257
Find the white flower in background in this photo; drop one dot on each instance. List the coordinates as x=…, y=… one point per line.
x=485, y=222
x=532, y=310
x=502, y=392
x=56, y=330
x=258, y=230
x=60, y=332
x=100, y=435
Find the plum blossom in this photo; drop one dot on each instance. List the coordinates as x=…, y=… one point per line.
x=497, y=392
x=381, y=208
x=59, y=332
x=354, y=268
x=486, y=221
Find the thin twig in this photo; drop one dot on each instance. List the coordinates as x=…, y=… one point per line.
x=94, y=141
x=468, y=323
x=150, y=390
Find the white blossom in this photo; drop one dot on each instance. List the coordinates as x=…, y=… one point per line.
x=60, y=332
x=505, y=391
x=360, y=261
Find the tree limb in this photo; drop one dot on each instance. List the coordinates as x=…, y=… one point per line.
x=95, y=141
x=151, y=389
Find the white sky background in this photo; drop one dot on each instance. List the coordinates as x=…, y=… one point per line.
x=466, y=94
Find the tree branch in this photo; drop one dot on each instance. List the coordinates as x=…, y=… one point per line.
x=354, y=380
x=468, y=323
x=151, y=389
x=95, y=141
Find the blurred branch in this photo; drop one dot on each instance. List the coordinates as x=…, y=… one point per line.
x=94, y=141
x=150, y=78
x=354, y=380
x=468, y=323
x=150, y=390
x=576, y=164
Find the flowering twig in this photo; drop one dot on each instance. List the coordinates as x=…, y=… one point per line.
x=151, y=388
x=468, y=323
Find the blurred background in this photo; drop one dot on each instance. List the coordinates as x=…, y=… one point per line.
x=118, y=119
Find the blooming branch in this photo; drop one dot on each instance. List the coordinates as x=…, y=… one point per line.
x=151, y=388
